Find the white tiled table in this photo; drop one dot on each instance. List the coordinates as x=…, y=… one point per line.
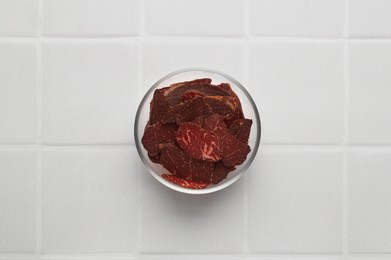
x=72, y=73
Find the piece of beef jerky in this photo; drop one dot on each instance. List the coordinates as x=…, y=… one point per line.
x=220, y=172
x=154, y=158
x=175, y=91
x=222, y=105
x=158, y=134
x=184, y=183
x=185, y=112
x=159, y=106
x=233, y=151
x=198, y=142
x=190, y=94
x=180, y=164
x=241, y=128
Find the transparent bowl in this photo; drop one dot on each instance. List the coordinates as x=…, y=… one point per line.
x=249, y=109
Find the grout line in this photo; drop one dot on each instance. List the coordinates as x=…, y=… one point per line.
x=345, y=194
x=140, y=94
x=39, y=128
x=246, y=83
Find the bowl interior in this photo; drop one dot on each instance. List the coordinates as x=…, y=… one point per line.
x=249, y=109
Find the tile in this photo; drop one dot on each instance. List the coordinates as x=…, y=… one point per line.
x=177, y=223
x=369, y=18
x=298, y=87
x=295, y=201
x=369, y=257
x=190, y=257
x=18, y=200
x=18, y=18
x=86, y=257
x=298, y=18
x=293, y=257
x=163, y=57
x=369, y=106
x=369, y=185
x=90, y=92
x=91, y=17
x=90, y=201
x=194, y=17
x=18, y=92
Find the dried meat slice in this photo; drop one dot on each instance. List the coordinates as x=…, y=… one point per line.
x=158, y=134
x=180, y=164
x=154, y=158
x=233, y=152
x=190, y=94
x=198, y=142
x=241, y=128
x=185, y=112
x=184, y=183
x=176, y=91
x=222, y=105
x=159, y=106
x=220, y=172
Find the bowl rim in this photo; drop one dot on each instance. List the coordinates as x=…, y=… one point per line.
x=214, y=188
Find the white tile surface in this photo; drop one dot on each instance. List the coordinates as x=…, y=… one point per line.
x=298, y=87
x=194, y=17
x=90, y=201
x=370, y=93
x=18, y=92
x=295, y=202
x=90, y=92
x=91, y=17
x=369, y=202
x=163, y=57
x=18, y=17
x=190, y=257
x=294, y=257
x=18, y=201
x=369, y=257
x=370, y=18
x=298, y=17
x=178, y=223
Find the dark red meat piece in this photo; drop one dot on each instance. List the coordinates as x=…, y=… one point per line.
x=175, y=92
x=240, y=128
x=158, y=134
x=180, y=164
x=185, y=112
x=190, y=94
x=154, y=158
x=199, y=121
x=222, y=105
x=233, y=151
x=199, y=143
x=220, y=172
x=159, y=106
x=184, y=183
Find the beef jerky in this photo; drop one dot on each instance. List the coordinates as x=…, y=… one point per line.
x=220, y=172
x=233, y=151
x=159, y=106
x=190, y=94
x=175, y=91
x=154, y=158
x=222, y=105
x=158, y=134
x=180, y=164
x=184, y=183
x=199, y=143
x=185, y=112
x=240, y=128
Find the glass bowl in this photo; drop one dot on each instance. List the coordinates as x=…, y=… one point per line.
x=249, y=109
